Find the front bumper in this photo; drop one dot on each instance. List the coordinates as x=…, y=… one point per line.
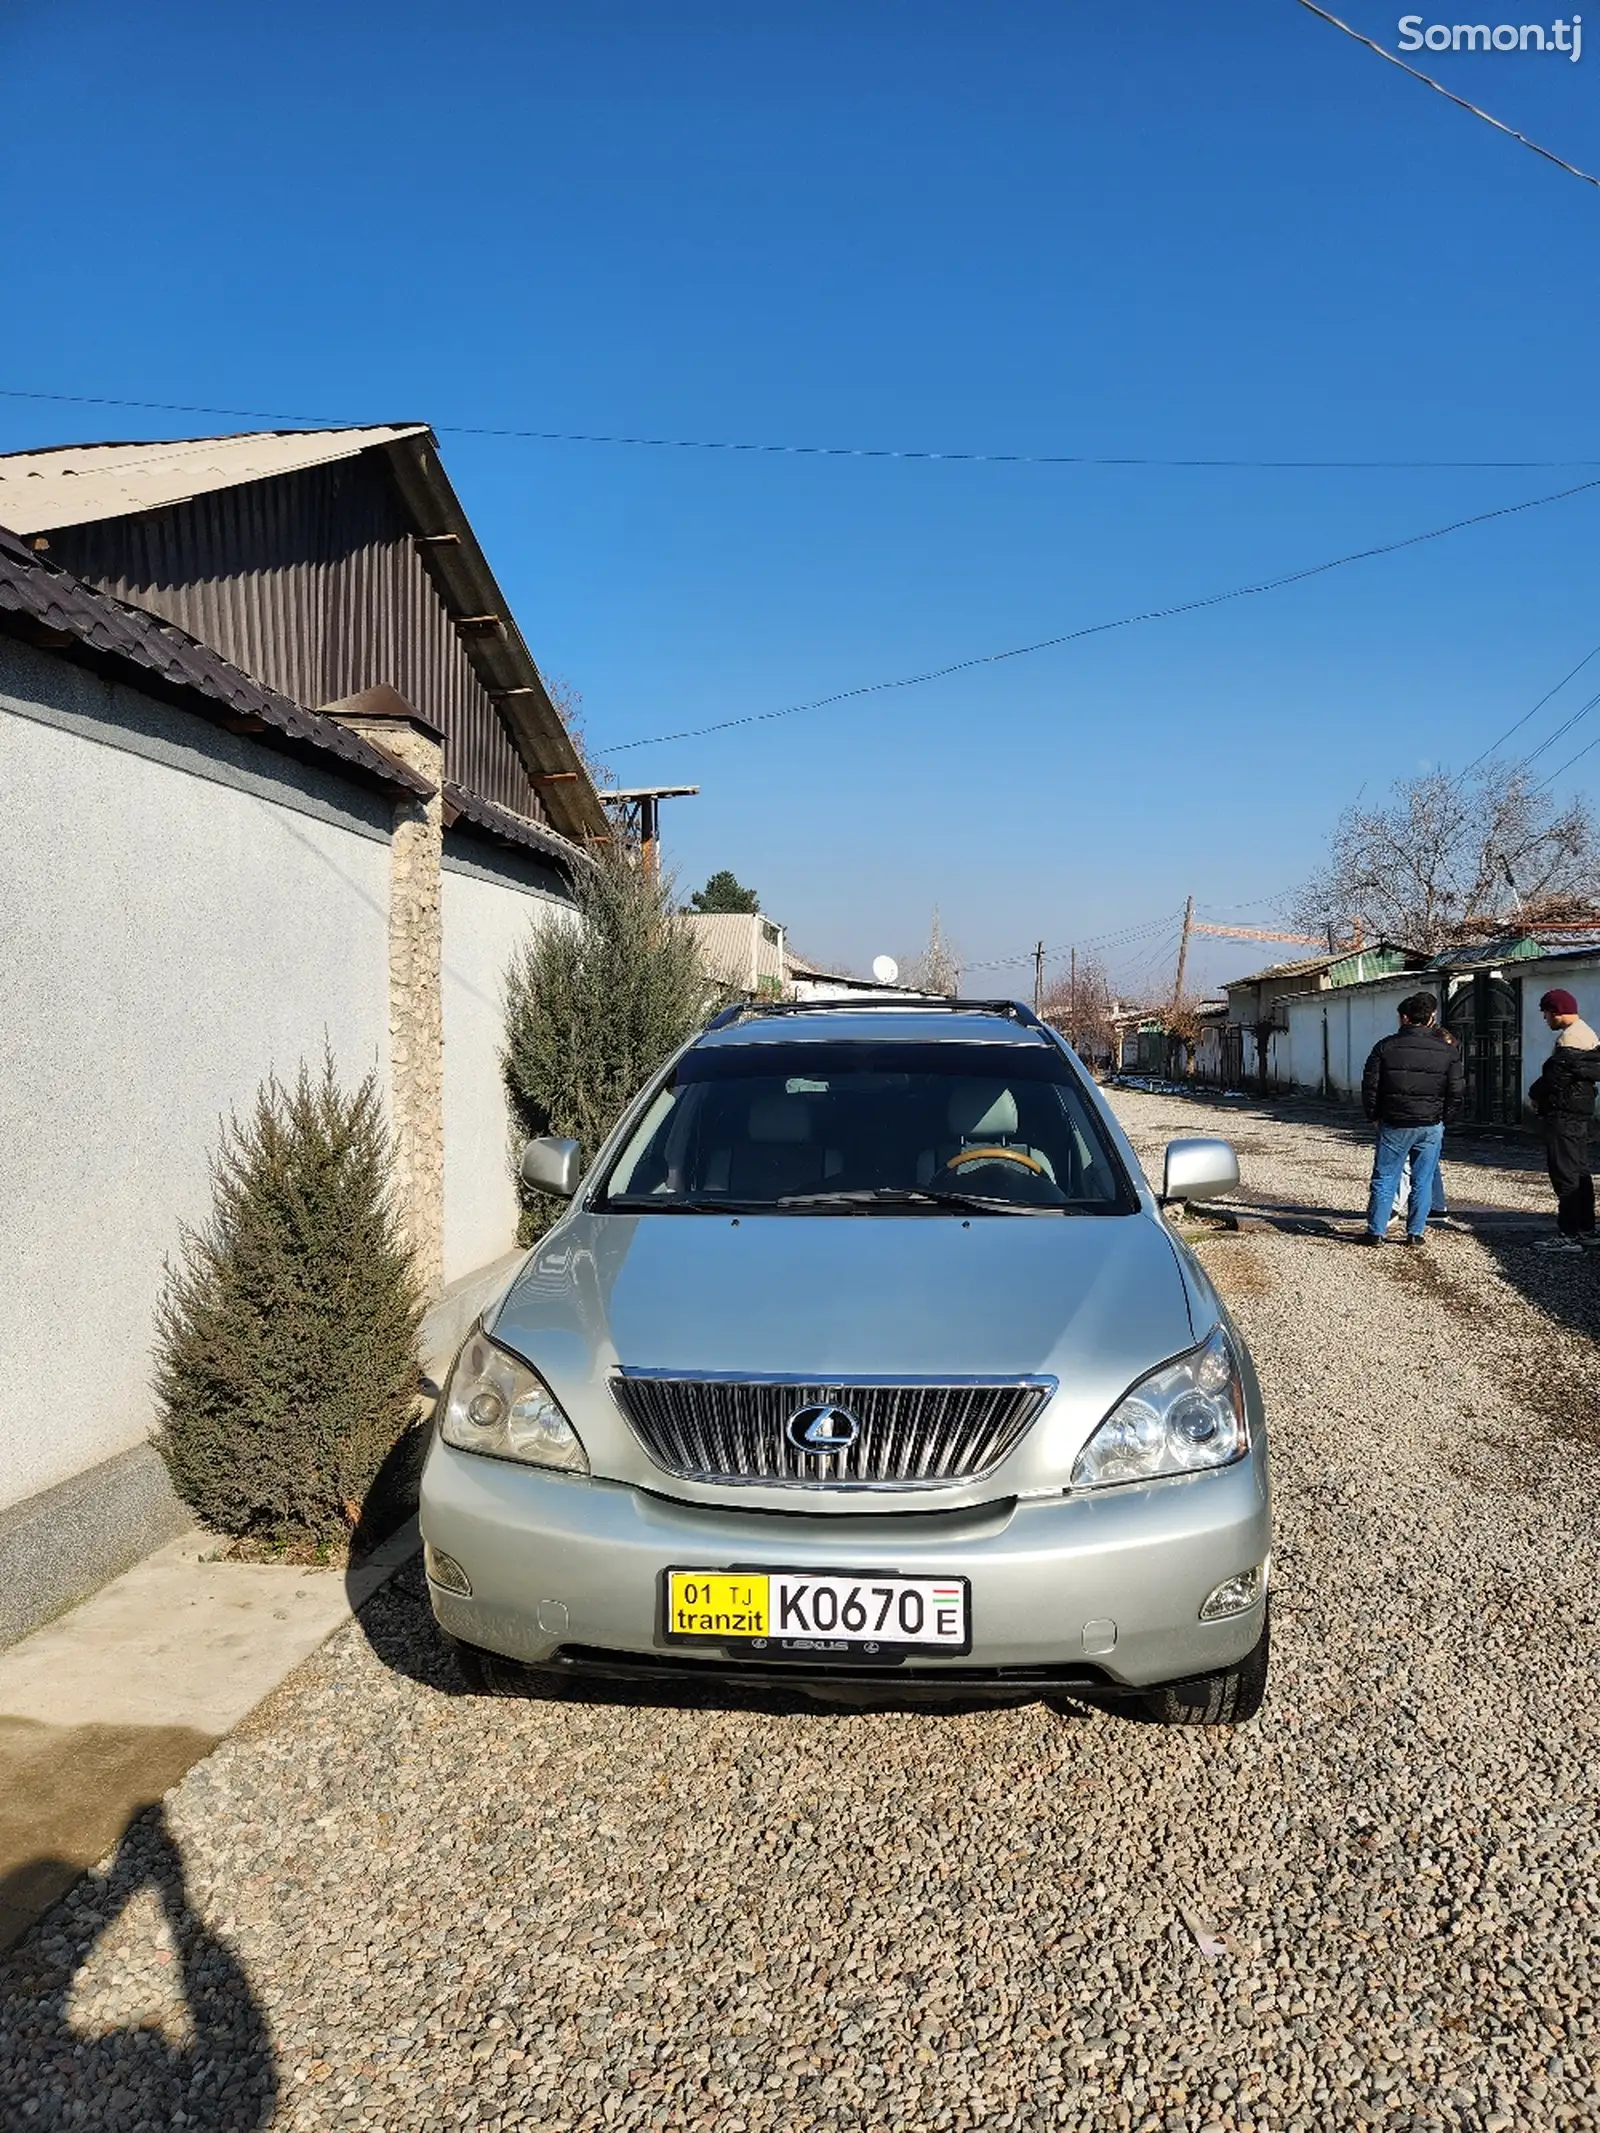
x=1106, y=1586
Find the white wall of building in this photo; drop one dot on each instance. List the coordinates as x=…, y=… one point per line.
x=740, y=949
x=490, y=907
x=184, y=914
x=1357, y=1016
x=1277, y=1057
x=1354, y=1018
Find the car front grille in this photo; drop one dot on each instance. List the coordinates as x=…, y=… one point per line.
x=909, y=1436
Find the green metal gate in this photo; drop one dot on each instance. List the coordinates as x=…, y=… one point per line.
x=1484, y=1015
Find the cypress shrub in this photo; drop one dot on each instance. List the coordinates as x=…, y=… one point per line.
x=593, y=1007
x=286, y=1332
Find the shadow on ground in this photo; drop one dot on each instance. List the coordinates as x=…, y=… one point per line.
x=55, y=2072
x=67, y=1794
x=1565, y=1290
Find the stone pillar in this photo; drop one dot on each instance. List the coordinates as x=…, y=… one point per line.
x=416, y=1010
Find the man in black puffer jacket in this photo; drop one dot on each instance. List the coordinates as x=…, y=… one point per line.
x=1563, y=1096
x=1412, y=1085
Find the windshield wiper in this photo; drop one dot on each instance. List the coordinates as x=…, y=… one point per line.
x=908, y=1196
x=649, y=1203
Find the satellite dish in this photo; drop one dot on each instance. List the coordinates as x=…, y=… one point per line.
x=885, y=969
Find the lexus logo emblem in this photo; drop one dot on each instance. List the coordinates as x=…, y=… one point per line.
x=822, y=1428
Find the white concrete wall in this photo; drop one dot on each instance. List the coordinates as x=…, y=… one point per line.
x=486, y=920
x=1356, y=1018
x=182, y=916
x=1277, y=1057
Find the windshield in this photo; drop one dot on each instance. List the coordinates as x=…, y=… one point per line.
x=865, y=1127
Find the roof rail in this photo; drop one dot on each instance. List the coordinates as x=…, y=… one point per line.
x=1014, y=1009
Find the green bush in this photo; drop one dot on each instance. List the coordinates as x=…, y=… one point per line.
x=286, y=1347
x=593, y=1007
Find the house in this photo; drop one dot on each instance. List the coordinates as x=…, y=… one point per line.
x=808, y=981
x=1489, y=993
x=741, y=951
x=321, y=562
x=1169, y=1044
x=750, y=954
x=282, y=777
x=1257, y=1018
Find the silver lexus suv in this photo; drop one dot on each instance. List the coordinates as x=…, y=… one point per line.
x=862, y=1361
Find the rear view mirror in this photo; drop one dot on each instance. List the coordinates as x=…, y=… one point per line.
x=1199, y=1170
x=553, y=1166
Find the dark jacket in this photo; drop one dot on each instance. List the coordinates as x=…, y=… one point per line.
x=1566, y=1085
x=1414, y=1078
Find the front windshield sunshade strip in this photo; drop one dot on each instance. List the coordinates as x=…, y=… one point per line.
x=912, y=1436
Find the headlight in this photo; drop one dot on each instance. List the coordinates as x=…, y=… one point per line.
x=1182, y=1418
x=495, y=1404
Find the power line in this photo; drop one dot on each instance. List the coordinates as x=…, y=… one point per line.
x=1251, y=903
x=1449, y=95
x=1127, y=936
x=823, y=451
x=1567, y=765
x=1096, y=629
x=1144, y=972
x=1521, y=722
x=1566, y=726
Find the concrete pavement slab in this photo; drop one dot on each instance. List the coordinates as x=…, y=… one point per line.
x=105, y=1708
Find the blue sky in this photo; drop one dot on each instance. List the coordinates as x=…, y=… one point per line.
x=1158, y=230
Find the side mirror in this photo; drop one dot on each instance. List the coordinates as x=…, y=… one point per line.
x=1199, y=1170
x=553, y=1166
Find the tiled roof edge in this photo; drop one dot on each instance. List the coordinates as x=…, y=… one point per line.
x=509, y=828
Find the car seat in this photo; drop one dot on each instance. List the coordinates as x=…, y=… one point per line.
x=778, y=1153
x=978, y=1112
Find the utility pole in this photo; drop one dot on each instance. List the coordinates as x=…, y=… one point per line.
x=1038, y=977
x=1072, y=1002
x=1183, y=951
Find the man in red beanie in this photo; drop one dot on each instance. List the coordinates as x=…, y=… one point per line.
x=1563, y=1096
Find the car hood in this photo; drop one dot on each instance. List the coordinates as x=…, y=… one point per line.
x=1091, y=1302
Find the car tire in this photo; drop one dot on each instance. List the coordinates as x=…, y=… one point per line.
x=491, y=1673
x=1225, y=1698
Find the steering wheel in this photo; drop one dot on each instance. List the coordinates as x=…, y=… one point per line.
x=992, y=1152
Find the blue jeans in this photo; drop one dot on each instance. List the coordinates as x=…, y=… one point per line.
x=1421, y=1146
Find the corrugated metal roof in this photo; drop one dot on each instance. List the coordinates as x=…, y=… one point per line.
x=1515, y=948
x=72, y=484
x=44, y=604
x=76, y=485
x=501, y=822
x=1303, y=966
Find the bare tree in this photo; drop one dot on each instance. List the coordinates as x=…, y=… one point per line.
x=1082, y=1009
x=934, y=969
x=1451, y=856
x=568, y=700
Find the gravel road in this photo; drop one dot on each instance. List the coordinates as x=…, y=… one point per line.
x=389, y=1904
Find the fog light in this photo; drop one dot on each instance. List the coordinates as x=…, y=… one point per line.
x=1234, y=1596
x=445, y=1572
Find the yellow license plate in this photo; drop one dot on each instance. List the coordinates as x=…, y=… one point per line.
x=793, y=1613
x=706, y=1603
